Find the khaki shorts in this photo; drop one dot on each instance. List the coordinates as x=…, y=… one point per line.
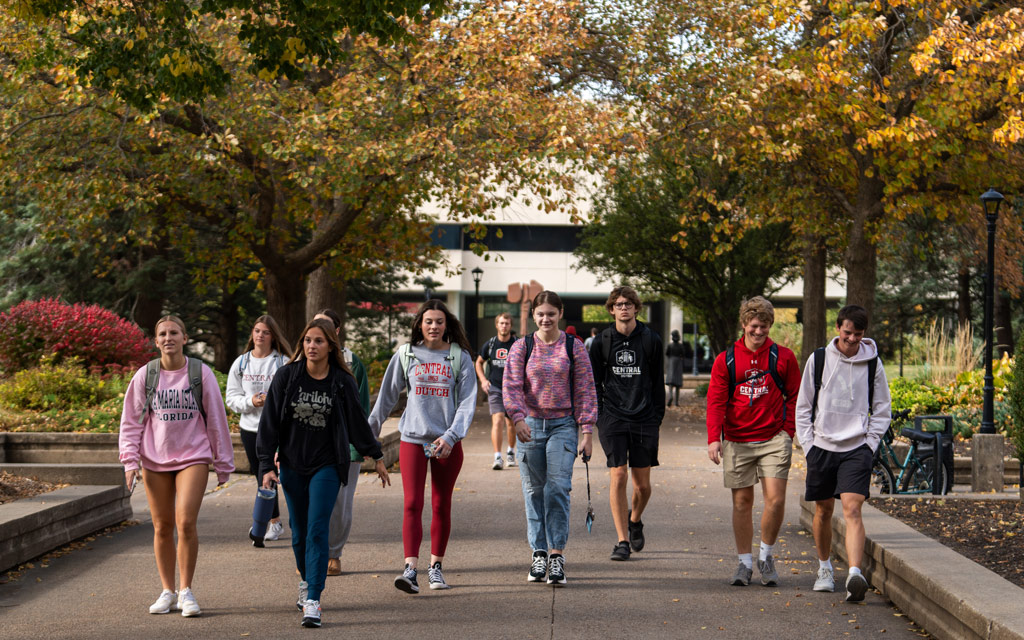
x=745, y=462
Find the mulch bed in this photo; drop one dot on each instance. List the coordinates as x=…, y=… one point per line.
x=989, y=532
x=14, y=487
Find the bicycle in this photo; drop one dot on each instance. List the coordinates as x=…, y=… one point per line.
x=917, y=470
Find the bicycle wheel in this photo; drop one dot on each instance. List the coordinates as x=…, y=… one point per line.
x=920, y=478
x=883, y=482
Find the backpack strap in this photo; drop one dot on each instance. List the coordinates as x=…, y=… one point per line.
x=243, y=362
x=152, y=380
x=405, y=356
x=819, y=372
x=730, y=365
x=455, y=355
x=872, y=366
x=773, y=367
x=606, y=344
x=195, y=382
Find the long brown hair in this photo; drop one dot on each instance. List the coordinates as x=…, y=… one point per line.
x=453, y=331
x=333, y=345
x=277, y=339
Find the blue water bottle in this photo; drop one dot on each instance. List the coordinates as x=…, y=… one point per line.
x=261, y=510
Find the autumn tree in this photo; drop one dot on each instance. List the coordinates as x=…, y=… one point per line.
x=469, y=110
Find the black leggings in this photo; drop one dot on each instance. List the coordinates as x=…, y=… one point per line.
x=249, y=442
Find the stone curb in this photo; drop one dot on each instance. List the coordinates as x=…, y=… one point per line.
x=944, y=592
x=34, y=526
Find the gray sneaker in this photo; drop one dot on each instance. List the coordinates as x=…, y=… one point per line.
x=856, y=587
x=826, y=580
x=742, y=576
x=769, y=576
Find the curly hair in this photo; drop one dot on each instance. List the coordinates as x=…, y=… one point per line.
x=757, y=307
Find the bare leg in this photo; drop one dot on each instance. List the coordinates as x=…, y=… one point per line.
x=617, y=498
x=742, y=522
x=641, y=491
x=852, y=504
x=191, y=485
x=497, y=424
x=160, y=495
x=774, y=491
x=823, y=527
x=511, y=429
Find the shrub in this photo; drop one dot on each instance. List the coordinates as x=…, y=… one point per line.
x=1015, y=400
x=55, y=386
x=919, y=396
x=701, y=390
x=99, y=339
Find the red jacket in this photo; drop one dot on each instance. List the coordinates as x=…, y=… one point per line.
x=758, y=409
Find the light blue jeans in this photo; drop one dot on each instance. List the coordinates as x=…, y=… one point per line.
x=545, y=466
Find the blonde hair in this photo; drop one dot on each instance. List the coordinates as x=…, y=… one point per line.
x=175, y=319
x=503, y=314
x=756, y=307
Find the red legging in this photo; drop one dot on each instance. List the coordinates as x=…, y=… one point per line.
x=443, y=474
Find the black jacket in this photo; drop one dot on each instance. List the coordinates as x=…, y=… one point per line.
x=630, y=381
x=347, y=417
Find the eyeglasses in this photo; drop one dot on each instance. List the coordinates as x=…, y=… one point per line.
x=623, y=305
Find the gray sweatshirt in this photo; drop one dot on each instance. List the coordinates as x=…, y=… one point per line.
x=430, y=411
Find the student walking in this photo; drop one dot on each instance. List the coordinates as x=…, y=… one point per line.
x=841, y=415
x=341, y=517
x=248, y=381
x=750, y=420
x=436, y=371
x=549, y=394
x=629, y=377
x=490, y=370
x=676, y=353
x=311, y=416
x=173, y=427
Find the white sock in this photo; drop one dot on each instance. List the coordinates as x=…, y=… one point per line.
x=510, y=451
x=766, y=550
x=825, y=564
x=747, y=560
x=854, y=571
x=497, y=455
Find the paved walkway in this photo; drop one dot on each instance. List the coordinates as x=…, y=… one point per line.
x=675, y=588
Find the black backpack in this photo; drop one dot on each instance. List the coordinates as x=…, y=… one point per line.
x=773, y=369
x=819, y=372
x=569, y=344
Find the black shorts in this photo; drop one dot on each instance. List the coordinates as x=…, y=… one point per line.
x=636, y=444
x=831, y=473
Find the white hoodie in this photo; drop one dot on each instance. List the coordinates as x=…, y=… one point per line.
x=842, y=422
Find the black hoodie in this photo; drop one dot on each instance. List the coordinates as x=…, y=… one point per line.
x=630, y=383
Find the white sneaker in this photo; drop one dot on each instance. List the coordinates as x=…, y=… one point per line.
x=436, y=577
x=164, y=603
x=274, y=531
x=187, y=603
x=510, y=459
x=311, y=614
x=303, y=594
x=498, y=463
x=826, y=580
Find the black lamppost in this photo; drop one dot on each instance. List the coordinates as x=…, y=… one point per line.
x=990, y=200
x=478, y=275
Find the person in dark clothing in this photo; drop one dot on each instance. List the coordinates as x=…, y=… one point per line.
x=629, y=375
x=311, y=415
x=674, y=377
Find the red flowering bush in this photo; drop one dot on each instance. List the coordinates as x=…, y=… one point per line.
x=101, y=340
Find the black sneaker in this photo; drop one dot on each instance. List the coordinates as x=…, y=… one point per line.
x=636, y=534
x=556, y=570
x=407, y=581
x=621, y=551
x=539, y=568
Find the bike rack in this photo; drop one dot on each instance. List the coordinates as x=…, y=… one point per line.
x=939, y=463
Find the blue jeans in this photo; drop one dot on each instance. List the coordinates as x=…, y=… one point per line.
x=310, y=503
x=545, y=466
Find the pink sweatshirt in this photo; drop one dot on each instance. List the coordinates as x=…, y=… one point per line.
x=543, y=390
x=173, y=436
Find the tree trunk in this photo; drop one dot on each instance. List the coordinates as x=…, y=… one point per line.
x=814, y=329
x=225, y=350
x=1002, y=322
x=861, y=267
x=327, y=292
x=963, y=295
x=286, y=300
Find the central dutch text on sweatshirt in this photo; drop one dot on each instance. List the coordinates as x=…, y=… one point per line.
x=432, y=379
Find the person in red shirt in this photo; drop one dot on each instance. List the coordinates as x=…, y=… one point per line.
x=751, y=423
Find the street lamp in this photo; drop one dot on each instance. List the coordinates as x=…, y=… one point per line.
x=990, y=200
x=478, y=275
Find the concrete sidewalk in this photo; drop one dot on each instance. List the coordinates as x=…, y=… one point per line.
x=675, y=588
